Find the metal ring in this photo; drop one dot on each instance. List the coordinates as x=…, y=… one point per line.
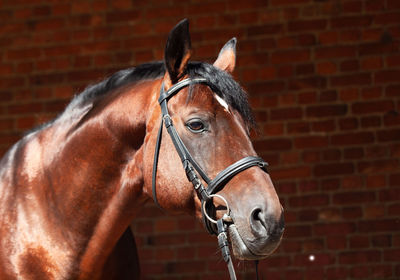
x=228, y=210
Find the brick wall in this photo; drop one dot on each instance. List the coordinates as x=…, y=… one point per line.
x=324, y=80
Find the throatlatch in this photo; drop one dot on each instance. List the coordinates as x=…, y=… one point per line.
x=193, y=171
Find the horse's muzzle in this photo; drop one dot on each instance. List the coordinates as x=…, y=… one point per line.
x=266, y=234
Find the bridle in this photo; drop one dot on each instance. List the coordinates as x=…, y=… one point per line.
x=193, y=169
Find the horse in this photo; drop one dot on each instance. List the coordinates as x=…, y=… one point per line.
x=70, y=188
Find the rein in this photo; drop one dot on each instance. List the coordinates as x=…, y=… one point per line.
x=192, y=168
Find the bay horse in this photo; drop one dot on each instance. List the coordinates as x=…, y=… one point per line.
x=70, y=189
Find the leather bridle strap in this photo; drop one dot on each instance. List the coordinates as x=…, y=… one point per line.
x=228, y=173
x=193, y=169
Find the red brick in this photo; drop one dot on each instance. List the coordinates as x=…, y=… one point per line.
x=380, y=241
x=319, y=260
x=323, y=126
x=122, y=16
x=297, y=231
x=376, y=166
x=290, y=56
x=389, y=135
x=315, y=82
x=353, y=138
x=333, y=169
x=335, y=52
x=376, y=49
x=288, y=2
x=307, y=25
x=305, y=69
x=359, y=241
x=278, y=261
x=394, y=210
x=382, y=271
x=376, y=151
x=349, y=66
x=308, y=186
x=371, y=121
x=331, y=155
x=353, y=153
x=349, y=198
x=371, y=63
x=359, y=257
x=334, y=229
x=285, y=71
x=290, y=158
x=334, y=273
x=328, y=37
x=311, y=142
x=393, y=91
x=349, y=94
x=393, y=60
x=336, y=242
x=309, y=201
x=15, y=55
x=352, y=7
x=348, y=123
x=352, y=213
x=326, y=110
x=273, y=144
x=286, y=113
x=389, y=195
x=287, y=100
x=286, y=187
x=350, y=80
x=371, y=35
x=347, y=36
x=394, y=179
x=372, y=92
x=393, y=4
x=286, y=173
x=374, y=5
x=274, y=129
x=307, y=97
x=387, y=18
x=360, y=272
x=330, y=184
x=351, y=22
x=381, y=225
x=326, y=68
x=306, y=40
x=376, y=181
x=263, y=30
x=298, y=127
x=387, y=76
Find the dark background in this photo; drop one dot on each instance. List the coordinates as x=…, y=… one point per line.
x=324, y=81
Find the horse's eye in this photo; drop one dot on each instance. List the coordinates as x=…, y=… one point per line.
x=195, y=126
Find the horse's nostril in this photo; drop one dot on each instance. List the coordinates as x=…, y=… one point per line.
x=265, y=226
x=258, y=222
x=256, y=214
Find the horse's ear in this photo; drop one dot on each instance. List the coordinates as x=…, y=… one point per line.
x=227, y=57
x=178, y=51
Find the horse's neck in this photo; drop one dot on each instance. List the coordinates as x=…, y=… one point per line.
x=85, y=180
x=100, y=166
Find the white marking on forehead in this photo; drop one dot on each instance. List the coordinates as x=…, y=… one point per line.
x=222, y=102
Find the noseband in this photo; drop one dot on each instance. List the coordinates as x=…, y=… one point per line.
x=193, y=169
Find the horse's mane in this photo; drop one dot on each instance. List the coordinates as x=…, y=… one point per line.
x=227, y=87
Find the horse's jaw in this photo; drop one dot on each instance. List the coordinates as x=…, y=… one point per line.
x=242, y=252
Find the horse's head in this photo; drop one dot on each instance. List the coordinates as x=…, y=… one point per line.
x=213, y=121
